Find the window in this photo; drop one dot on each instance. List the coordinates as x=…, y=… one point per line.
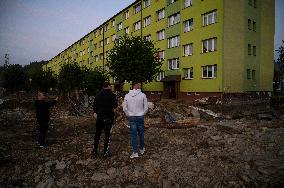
x=146, y=3
x=127, y=30
x=174, y=19
x=160, y=76
x=137, y=8
x=249, y=49
x=188, y=25
x=96, y=58
x=92, y=42
x=81, y=54
x=249, y=24
x=84, y=52
x=113, y=23
x=101, y=43
x=126, y=14
x=101, y=31
x=137, y=25
x=161, y=35
x=187, y=50
x=113, y=37
x=248, y=74
x=147, y=38
x=172, y=1
x=187, y=3
x=209, y=45
x=106, y=27
x=96, y=33
x=161, y=14
x=119, y=26
x=254, y=3
x=254, y=50
x=95, y=46
x=210, y=18
x=101, y=56
x=107, y=40
x=92, y=53
x=88, y=50
x=89, y=61
x=209, y=71
x=254, y=26
x=188, y=73
x=173, y=63
x=173, y=42
x=161, y=55
x=147, y=21
x=253, y=74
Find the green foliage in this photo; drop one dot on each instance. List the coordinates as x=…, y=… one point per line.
x=133, y=59
x=93, y=80
x=41, y=80
x=14, y=77
x=70, y=77
x=280, y=59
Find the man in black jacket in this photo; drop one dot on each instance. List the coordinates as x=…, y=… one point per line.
x=104, y=104
x=43, y=116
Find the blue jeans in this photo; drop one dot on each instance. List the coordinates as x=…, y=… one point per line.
x=136, y=128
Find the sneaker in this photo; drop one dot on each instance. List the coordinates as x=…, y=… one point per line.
x=134, y=155
x=142, y=151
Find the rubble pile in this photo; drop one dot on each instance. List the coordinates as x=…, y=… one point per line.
x=187, y=145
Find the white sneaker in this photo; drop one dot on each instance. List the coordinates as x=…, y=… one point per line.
x=134, y=155
x=142, y=151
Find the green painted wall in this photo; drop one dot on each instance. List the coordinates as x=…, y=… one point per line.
x=231, y=31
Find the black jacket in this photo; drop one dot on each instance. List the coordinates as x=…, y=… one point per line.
x=104, y=103
x=42, y=110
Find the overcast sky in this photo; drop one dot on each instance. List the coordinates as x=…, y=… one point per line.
x=35, y=30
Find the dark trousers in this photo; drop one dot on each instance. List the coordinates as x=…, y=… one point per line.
x=105, y=124
x=42, y=127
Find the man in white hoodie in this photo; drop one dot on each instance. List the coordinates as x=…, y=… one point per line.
x=135, y=107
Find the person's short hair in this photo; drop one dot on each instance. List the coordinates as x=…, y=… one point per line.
x=135, y=82
x=106, y=84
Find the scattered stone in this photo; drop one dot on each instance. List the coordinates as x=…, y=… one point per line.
x=60, y=165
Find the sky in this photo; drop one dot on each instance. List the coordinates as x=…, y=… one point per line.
x=35, y=30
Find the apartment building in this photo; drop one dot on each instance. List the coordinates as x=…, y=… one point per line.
x=208, y=47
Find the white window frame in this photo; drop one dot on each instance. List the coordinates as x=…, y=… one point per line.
x=161, y=35
x=161, y=14
x=209, y=18
x=126, y=14
x=188, y=74
x=161, y=55
x=147, y=3
x=160, y=76
x=137, y=8
x=96, y=58
x=187, y=3
x=188, y=25
x=101, y=56
x=188, y=49
x=148, y=38
x=208, y=69
x=127, y=30
x=113, y=37
x=113, y=23
x=119, y=26
x=173, y=41
x=107, y=40
x=173, y=64
x=209, y=45
x=172, y=1
x=147, y=21
x=174, y=19
x=137, y=25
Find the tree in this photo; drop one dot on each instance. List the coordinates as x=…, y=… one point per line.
x=70, y=77
x=14, y=77
x=93, y=80
x=133, y=59
x=280, y=59
x=42, y=80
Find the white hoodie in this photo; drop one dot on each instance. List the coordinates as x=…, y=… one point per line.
x=135, y=103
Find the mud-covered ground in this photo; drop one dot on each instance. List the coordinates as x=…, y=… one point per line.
x=216, y=152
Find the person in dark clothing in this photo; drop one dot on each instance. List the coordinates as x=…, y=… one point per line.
x=43, y=116
x=104, y=104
